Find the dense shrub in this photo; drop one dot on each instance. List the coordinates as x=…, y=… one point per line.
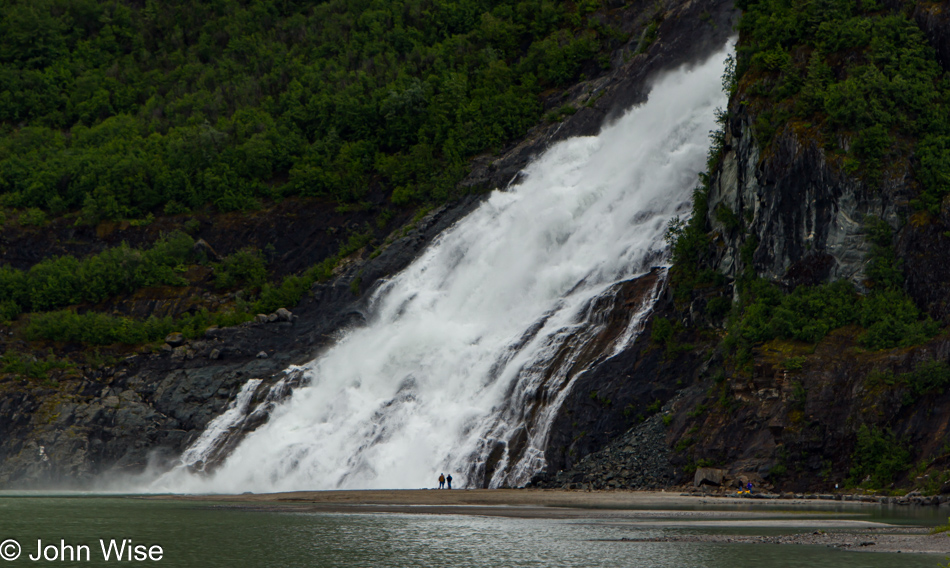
x=808, y=313
x=878, y=455
x=245, y=267
x=97, y=328
x=854, y=71
x=65, y=280
x=927, y=377
x=122, y=107
x=31, y=366
x=102, y=329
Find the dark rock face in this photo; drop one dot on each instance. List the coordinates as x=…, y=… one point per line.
x=803, y=212
x=795, y=427
x=639, y=459
x=934, y=20
x=147, y=408
x=708, y=476
x=798, y=427
x=614, y=395
x=924, y=249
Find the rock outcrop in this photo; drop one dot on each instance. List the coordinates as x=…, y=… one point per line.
x=143, y=410
x=803, y=212
x=791, y=213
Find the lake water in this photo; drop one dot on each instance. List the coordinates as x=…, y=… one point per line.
x=207, y=535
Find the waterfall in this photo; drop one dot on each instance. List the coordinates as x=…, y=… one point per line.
x=468, y=352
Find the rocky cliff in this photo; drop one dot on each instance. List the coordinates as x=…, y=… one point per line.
x=796, y=415
x=126, y=414
x=143, y=410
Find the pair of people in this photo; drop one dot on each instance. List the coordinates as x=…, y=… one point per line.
x=443, y=479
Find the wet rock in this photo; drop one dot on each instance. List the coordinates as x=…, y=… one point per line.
x=262, y=355
x=202, y=247
x=708, y=476
x=174, y=339
x=806, y=216
x=637, y=460
x=180, y=395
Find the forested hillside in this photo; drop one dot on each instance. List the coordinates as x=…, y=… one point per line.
x=808, y=269
x=149, y=122
x=121, y=109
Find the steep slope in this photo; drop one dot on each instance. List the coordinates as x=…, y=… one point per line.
x=72, y=424
x=807, y=310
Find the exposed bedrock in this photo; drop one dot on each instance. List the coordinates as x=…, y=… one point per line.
x=146, y=409
x=797, y=216
x=150, y=406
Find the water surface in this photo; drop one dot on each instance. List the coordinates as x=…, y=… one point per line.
x=210, y=535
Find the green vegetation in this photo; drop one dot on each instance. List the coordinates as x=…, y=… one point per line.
x=853, y=73
x=103, y=329
x=120, y=108
x=808, y=313
x=941, y=529
x=601, y=400
x=243, y=266
x=30, y=366
x=793, y=363
x=62, y=281
x=125, y=110
x=927, y=377
x=664, y=333
x=879, y=456
x=698, y=411
x=861, y=80
x=684, y=443
x=246, y=267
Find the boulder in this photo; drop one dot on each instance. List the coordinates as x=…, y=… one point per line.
x=284, y=314
x=708, y=476
x=202, y=246
x=262, y=355
x=175, y=339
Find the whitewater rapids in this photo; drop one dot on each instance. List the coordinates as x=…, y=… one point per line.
x=456, y=342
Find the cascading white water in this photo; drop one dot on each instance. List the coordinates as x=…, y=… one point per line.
x=464, y=338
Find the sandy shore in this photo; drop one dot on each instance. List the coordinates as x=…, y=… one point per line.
x=803, y=522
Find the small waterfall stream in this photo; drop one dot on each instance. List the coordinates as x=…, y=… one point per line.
x=469, y=352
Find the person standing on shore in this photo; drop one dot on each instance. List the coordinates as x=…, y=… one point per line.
x=449, y=480
x=441, y=481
